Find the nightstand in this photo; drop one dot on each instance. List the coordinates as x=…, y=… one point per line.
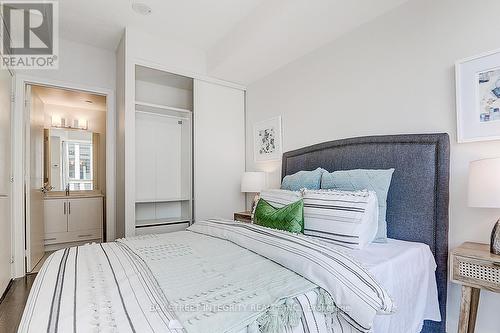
x=243, y=217
x=475, y=268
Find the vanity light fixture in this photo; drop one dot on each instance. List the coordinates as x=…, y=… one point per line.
x=55, y=121
x=81, y=124
x=59, y=122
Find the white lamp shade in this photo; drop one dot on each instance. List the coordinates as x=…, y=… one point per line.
x=253, y=182
x=484, y=183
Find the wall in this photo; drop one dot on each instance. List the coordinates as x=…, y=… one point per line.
x=392, y=75
x=82, y=65
x=172, y=56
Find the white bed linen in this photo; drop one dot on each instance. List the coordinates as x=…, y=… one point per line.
x=407, y=271
x=112, y=290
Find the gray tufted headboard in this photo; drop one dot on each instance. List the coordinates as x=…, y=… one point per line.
x=417, y=204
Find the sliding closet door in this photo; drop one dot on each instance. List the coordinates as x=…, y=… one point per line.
x=5, y=224
x=219, y=150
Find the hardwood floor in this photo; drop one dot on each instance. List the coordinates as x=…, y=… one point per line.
x=40, y=263
x=12, y=306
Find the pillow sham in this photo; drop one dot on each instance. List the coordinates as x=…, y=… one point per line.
x=344, y=218
x=378, y=181
x=279, y=198
x=303, y=179
x=288, y=218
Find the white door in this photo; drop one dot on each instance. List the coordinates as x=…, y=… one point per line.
x=5, y=223
x=35, y=229
x=219, y=150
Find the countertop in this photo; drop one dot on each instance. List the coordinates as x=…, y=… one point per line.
x=72, y=195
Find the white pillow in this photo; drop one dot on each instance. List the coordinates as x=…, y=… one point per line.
x=280, y=198
x=347, y=218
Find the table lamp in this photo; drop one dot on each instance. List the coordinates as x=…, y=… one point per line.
x=484, y=192
x=253, y=182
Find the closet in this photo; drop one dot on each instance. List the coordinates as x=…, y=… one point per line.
x=180, y=143
x=163, y=151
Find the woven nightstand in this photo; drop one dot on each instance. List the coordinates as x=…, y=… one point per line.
x=475, y=268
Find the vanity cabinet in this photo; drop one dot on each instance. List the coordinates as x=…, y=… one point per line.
x=70, y=220
x=55, y=218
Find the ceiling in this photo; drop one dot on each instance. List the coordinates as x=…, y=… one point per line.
x=196, y=23
x=70, y=98
x=243, y=40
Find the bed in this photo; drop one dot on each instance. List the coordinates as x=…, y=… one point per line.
x=225, y=276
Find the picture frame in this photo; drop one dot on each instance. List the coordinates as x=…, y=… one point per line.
x=267, y=139
x=478, y=97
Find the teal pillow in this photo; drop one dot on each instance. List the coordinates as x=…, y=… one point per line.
x=289, y=218
x=360, y=179
x=310, y=180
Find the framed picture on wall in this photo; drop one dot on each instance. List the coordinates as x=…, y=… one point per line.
x=267, y=140
x=478, y=97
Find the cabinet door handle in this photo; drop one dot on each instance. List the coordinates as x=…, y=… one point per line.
x=88, y=235
x=50, y=239
x=69, y=208
x=64, y=208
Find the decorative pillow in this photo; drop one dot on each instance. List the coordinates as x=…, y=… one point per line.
x=303, y=179
x=360, y=179
x=340, y=217
x=280, y=198
x=289, y=218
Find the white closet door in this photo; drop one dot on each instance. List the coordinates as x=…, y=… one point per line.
x=145, y=169
x=5, y=224
x=219, y=150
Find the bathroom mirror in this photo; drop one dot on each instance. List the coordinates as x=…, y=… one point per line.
x=70, y=159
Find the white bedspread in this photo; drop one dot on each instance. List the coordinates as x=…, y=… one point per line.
x=407, y=271
x=135, y=285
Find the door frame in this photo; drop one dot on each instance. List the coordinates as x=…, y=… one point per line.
x=19, y=119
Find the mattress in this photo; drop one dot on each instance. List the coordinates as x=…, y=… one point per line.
x=407, y=271
x=139, y=283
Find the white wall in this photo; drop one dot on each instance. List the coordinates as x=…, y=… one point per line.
x=168, y=54
x=392, y=75
x=82, y=65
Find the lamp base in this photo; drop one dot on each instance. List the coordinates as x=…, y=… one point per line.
x=256, y=199
x=495, y=239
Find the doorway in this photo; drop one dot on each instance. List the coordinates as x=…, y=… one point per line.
x=65, y=168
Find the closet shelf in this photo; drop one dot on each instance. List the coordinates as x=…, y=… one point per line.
x=159, y=108
x=165, y=221
x=141, y=201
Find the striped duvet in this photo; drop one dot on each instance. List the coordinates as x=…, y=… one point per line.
x=174, y=283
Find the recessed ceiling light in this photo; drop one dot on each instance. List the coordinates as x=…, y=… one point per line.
x=141, y=8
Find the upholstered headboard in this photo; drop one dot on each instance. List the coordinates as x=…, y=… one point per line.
x=417, y=204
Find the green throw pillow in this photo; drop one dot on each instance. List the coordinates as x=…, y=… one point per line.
x=289, y=218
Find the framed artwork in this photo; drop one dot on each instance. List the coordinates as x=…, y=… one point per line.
x=478, y=97
x=267, y=140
